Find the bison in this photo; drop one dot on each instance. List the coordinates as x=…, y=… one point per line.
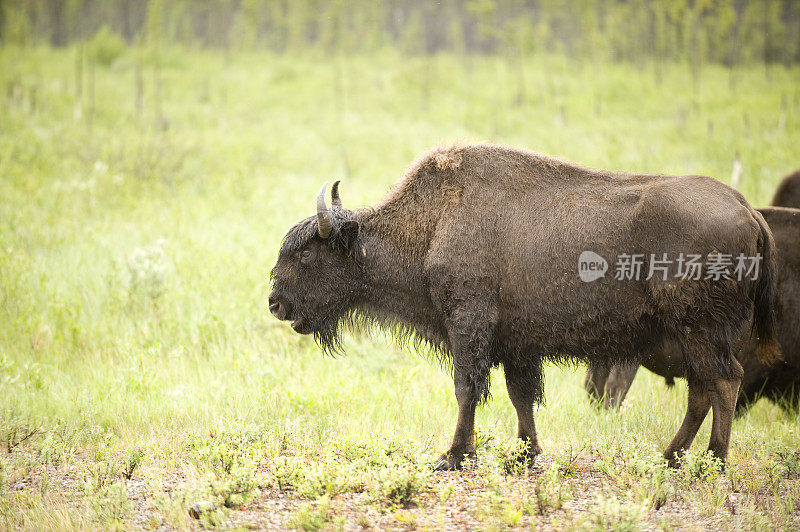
x=475, y=252
x=788, y=192
x=779, y=382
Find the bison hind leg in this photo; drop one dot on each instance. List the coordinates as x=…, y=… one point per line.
x=525, y=388
x=723, y=395
x=595, y=382
x=714, y=376
x=619, y=382
x=698, y=405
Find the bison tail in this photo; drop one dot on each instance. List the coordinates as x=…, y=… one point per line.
x=767, y=348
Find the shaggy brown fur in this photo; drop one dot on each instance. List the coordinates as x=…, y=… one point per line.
x=788, y=192
x=475, y=251
x=779, y=382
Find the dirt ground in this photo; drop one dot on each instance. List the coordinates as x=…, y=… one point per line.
x=583, y=497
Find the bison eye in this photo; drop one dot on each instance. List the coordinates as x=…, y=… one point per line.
x=305, y=256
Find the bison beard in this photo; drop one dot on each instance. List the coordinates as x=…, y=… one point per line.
x=474, y=252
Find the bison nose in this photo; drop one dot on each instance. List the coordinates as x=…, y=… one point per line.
x=274, y=307
x=278, y=310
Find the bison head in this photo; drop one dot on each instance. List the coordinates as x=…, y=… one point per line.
x=315, y=281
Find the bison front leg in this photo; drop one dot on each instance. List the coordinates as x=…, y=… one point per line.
x=524, y=384
x=471, y=365
x=463, y=445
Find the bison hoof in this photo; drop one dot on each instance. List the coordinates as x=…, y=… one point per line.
x=673, y=459
x=528, y=455
x=453, y=461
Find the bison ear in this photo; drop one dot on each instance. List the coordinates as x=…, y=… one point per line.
x=349, y=231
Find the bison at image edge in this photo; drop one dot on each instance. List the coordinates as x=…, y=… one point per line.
x=788, y=192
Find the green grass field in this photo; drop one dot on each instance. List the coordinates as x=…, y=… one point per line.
x=141, y=373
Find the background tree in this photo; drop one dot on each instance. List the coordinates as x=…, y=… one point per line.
x=637, y=31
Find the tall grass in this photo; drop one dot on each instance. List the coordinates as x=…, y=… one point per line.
x=134, y=251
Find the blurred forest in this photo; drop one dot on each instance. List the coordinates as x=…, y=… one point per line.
x=729, y=32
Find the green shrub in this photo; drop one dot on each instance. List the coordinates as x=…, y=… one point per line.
x=310, y=518
x=702, y=466
x=323, y=480
x=609, y=513
x=551, y=490
x=510, y=455
x=226, y=448
x=791, y=461
x=111, y=506
x=102, y=473
x=236, y=490
x=16, y=431
x=106, y=47
x=401, y=486
x=132, y=462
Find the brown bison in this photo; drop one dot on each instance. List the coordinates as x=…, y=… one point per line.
x=779, y=382
x=788, y=192
x=475, y=251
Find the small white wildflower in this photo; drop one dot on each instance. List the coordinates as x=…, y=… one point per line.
x=147, y=267
x=177, y=352
x=624, y=406
x=100, y=167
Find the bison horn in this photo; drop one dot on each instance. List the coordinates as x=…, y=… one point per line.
x=335, y=200
x=323, y=214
